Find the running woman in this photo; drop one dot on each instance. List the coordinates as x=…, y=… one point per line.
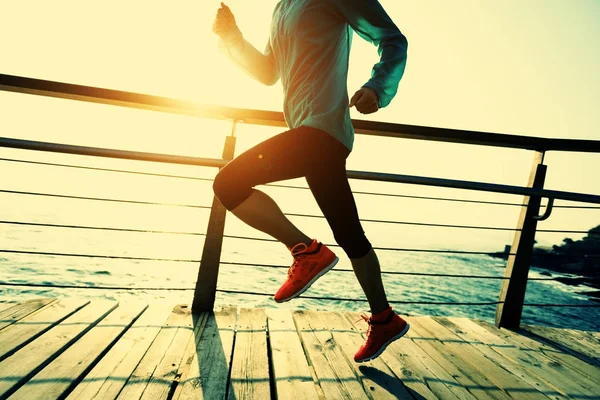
x=308, y=49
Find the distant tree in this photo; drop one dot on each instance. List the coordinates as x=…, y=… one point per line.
x=593, y=235
x=589, y=245
x=580, y=257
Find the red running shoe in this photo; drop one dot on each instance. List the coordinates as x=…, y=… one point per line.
x=310, y=263
x=380, y=335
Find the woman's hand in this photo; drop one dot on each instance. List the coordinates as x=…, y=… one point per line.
x=366, y=100
x=226, y=28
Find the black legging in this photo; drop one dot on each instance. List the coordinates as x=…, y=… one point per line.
x=307, y=152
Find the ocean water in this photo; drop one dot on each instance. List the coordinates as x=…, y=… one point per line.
x=169, y=235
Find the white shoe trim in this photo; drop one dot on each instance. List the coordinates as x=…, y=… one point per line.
x=305, y=288
x=385, y=345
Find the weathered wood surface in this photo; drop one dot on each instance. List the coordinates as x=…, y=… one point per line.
x=79, y=349
x=26, y=330
x=22, y=365
x=13, y=314
x=60, y=375
x=549, y=377
x=5, y=305
x=291, y=372
x=333, y=372
x=378, y=381
x=250, y=363
x=206, y=368
x=417, y=368
x=108, y=377
x=569, y=340
x=152, y=374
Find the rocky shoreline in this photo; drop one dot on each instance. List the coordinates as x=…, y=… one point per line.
x=579, y=258
x=585, y=271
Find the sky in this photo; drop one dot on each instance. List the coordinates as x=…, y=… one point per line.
x=518, y=67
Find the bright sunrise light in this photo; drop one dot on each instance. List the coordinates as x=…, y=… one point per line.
x=523, y=68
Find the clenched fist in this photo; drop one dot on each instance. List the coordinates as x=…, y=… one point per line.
x=226, y=28
x=365, y=100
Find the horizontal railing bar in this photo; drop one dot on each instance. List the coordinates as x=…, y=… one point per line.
x=44, y=253
x=28, y=252
x=59, y=254
x=493, y=228
x=85, y=167
x=20, y=84
x=299, y=187
x=363, y=175
x=91, y=287
x=405, y=196
x=110, y=153
x=479, y=186
x=65, y=196
x=241, y=264
x=100, y=228
x=437, y=303
x=301, y=215
x=483, y=253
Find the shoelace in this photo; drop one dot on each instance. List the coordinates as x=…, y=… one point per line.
x=297, y=251
x=293, y=267
x=368, y=321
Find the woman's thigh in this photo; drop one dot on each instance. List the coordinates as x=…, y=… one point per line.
x=292, y=154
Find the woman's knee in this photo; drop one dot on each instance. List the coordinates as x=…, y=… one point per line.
x=354, y=244
x=229, y=189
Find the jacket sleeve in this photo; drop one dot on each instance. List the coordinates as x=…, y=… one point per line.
x=260, y=66
x=371, y=22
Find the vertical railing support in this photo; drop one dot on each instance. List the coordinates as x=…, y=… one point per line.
x=208, y=273
x=512, y=292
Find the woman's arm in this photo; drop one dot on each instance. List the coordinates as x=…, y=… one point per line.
x=260, y=66
x=372, y=23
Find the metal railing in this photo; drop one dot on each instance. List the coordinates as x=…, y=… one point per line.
x=511, y=299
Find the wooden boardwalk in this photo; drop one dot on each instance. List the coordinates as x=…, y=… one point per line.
x=79, y=349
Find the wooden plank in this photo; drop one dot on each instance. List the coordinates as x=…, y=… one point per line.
x=580, y=341
x=108, y=377
x=471, y=378
x=250, y=364
x=565, y=340
x=291, y=373
x=190, y=352
x=34, y=325
x=5, y=305
x=332, y=369
x=540, y=372
x=56, y=379
x=144, y=372
x=470, y=353
x=539, y=348
x=29, y=360
x=588, y=338
x=165, y=376
x=377, y=379
x=204, y=376
x=423, y=377
x=21, y=310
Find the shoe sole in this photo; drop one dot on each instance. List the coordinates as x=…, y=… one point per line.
x=305, y=288
x=385, y=345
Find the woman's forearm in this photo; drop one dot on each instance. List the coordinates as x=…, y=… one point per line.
x=258, y=65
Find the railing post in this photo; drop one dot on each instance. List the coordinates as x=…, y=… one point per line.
x=208, y=273
x=512, y=292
